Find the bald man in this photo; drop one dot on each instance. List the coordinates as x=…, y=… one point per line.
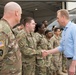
x=10, y=56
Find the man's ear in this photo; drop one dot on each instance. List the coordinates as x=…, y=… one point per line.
x=16, y=13
x=26, y=24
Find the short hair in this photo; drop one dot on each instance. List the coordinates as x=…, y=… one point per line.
x=64, y=12
x=55, y=30
x=47, y=31
x=12, y=6
x=27, y=20
x=38, y=25
x=53, y=27
x=44, y=21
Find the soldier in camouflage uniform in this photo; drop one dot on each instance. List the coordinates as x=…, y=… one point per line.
x=49, y=63
x=10, y=56
x=64, y=64
x=64, y=59
x=57, y=58
x=18, y=28
x=45, y=22
x=42, y=43
x=27, y=44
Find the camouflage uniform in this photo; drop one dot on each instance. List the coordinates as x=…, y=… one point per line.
x=64, y=65
x=10, y=56
x=16, y=31
x=27, y=44
x=49, y=58
x=42, y=63
x=57, y=58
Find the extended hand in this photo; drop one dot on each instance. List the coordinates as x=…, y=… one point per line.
x=44, y=53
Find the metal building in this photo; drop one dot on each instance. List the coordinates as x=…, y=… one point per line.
x=38, y=9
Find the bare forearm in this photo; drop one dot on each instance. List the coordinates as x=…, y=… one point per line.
x=47, y=52
x=53, y=51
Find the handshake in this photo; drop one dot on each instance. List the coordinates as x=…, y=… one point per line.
x=45, y=53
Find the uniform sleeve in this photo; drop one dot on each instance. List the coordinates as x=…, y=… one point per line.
x=25, y=49
x=49, y=45
x=43, y=44
x=52, y=42
x=3, y=43
x=15, y=30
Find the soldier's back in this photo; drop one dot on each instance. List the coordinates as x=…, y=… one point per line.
x=10, y=56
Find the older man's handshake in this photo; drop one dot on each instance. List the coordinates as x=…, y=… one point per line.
x=44, y=53
x=47, y=52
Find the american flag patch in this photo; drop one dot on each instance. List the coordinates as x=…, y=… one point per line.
x=1, y=43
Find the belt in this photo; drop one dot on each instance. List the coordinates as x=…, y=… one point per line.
x=69, y=58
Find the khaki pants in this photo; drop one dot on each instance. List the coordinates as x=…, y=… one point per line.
x=68, y=65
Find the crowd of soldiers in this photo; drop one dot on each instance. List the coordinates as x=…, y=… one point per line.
x=32, y=38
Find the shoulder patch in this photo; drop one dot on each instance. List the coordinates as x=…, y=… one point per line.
x=2, y=49
x=1, y=52
x=1, y=44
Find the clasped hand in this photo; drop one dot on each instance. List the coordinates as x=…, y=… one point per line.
x=44, y=53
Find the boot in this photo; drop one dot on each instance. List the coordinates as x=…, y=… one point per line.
x=65, y=71
x=59, y=73
x=54, y=73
